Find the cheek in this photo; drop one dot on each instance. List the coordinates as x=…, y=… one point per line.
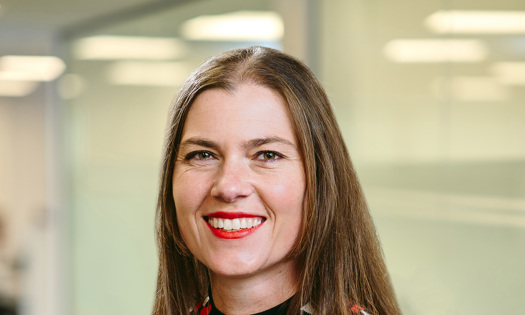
x=287, y=195
x=186, y=206
x=188, y=191
x=187, y=196
x=183, y=198
x=182, y=211
x=287, y=204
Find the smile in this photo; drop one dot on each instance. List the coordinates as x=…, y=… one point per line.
x=234, y=225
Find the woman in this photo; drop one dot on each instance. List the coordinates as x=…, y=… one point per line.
x=259, y=207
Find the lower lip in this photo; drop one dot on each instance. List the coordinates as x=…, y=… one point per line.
x=232, y=235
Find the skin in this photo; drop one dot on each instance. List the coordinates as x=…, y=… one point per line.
x=239, y=153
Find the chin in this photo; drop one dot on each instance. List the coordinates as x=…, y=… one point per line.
x=233, y=273
x=229, y=269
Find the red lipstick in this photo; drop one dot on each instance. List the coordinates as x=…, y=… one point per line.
x=232, y=215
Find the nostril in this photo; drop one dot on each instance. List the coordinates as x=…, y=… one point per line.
x=230, y=188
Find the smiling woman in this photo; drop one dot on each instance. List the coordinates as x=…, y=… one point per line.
x=238, y=163
x=259, y=207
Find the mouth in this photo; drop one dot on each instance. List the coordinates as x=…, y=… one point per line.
x=233, y=225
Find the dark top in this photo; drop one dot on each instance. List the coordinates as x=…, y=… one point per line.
x=207, y=307
x=280, y=309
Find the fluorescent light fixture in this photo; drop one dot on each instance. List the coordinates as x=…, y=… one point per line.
x=31, y=68
x=105, y=47
x=17, y=88
x=509, y=73
x=471, y=89
x=435, y=50
x=148, y=73
x=235, y=26
x=476, y=22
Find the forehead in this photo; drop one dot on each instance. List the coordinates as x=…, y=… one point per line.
x=248, y=111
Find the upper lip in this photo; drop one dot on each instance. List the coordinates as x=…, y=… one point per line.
x=232, y=215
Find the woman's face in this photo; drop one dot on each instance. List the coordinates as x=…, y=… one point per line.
x=239, y=182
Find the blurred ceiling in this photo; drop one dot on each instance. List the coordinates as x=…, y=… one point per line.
x=56, y=14
x=31, y=27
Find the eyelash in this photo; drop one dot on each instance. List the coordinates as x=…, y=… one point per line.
x=192, y=155
x=276, y=155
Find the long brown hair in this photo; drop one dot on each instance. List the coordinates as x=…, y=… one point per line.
x=339, y=253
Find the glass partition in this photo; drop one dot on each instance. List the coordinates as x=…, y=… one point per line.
x=431, y=112
x=121, y=78
x=430, y=98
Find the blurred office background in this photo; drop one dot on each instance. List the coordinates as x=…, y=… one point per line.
x=430, y=96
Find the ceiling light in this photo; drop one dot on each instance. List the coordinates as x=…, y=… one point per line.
x=435, y=50
x=474, y=22
x=235, y=26
x=31, y=68
x=510, y=73
x=128, y=47
x=16, y=88
x=148, y=73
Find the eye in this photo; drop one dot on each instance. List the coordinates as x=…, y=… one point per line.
x=199, y=155
x=268, y=155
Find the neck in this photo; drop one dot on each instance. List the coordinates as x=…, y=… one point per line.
x=255, y=293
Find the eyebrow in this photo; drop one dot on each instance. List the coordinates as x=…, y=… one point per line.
x=262, y=141
x=200, y=142
x=248, y=144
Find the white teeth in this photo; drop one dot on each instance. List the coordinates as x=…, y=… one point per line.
x=227, y=224
x=235, y=224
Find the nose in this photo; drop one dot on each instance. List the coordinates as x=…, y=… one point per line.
x=232, y=182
